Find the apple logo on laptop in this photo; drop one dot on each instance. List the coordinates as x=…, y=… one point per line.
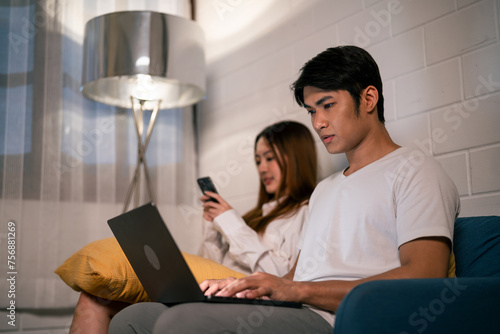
x=152, y=257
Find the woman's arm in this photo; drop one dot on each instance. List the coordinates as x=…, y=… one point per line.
x=274, y=252
x=213, y=246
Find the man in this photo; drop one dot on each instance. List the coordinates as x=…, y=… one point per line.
x=388, y=215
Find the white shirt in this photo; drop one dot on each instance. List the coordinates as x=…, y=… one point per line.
x=358, y=222
x=231, y=242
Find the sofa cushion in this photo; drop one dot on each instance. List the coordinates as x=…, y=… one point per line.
x=476, y=244
x=427, y=306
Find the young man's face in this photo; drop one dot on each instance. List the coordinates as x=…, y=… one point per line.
x=333, y=116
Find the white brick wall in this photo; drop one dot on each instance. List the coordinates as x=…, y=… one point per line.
x=460, y=32
x=485, y=168
x=439, y=59
x=479, y=69
x=429, y=88
x=411, y=14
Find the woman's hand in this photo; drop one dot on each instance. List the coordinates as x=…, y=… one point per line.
x=212, y=286
x=213, y=209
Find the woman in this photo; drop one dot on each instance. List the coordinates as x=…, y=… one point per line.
x=265, y=238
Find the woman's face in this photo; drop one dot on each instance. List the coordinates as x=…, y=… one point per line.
x=267, y=166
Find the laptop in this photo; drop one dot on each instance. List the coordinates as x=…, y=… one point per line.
x=159, y=264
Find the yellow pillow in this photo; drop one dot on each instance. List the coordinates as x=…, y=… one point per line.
x=101, y=269
x=451, y=266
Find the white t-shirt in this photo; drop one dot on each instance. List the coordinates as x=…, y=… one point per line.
x=231, y=242
x=358, y=222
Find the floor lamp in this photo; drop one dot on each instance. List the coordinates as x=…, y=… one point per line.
x=143, y=60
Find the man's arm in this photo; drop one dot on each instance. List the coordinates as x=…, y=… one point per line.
x=420, y=258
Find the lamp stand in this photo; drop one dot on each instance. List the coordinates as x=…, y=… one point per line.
x=141, y=152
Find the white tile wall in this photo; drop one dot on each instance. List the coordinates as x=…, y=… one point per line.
x=232, y=25
x=389, y=101
x=456, y=167
x=412, y=131
x=475, y=26
x=326, y=12
x=481, y=71
x=410, y=14
x=463, y=3
x=432, y=87
x=485, y=169
x=367, y=27
x=471, y=123
x=280, y=35
x=410, y=57
x=484, y=205
x=306, y=48
x=369, y=3
x=440, y=61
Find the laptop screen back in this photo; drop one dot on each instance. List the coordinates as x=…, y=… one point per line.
x=154, y=256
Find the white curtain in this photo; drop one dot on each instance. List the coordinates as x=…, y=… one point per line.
x=66, y=161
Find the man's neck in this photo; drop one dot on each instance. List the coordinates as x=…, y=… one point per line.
x=375, y=146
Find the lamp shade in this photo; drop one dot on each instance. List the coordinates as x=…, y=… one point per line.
x=146, y=55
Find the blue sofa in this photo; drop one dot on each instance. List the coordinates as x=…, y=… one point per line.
x=468, y=303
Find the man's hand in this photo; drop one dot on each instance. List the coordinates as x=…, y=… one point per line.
x=261, y=285
x=212, y=286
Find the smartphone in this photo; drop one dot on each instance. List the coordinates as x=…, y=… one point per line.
x=205, y=184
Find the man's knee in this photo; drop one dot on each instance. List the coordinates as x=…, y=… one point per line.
x=137, y=318
x=180, y=316
x=192, y=318
x=215, y=318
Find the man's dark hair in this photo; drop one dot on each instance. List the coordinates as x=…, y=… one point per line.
x=347, y=68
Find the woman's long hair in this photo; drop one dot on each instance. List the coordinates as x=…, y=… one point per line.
x=294, y=150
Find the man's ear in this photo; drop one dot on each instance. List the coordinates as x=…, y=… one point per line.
x=370, y=95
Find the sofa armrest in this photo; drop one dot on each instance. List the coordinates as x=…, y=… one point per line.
x=444, y=305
